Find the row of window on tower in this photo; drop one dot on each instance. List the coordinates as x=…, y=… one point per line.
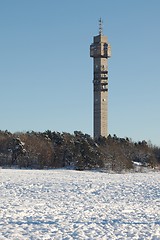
x=100, y=50
x=101, y=87
x=102, y=76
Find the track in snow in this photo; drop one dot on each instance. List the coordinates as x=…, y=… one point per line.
x=66, y=204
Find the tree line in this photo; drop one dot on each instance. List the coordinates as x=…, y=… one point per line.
x=78, y=151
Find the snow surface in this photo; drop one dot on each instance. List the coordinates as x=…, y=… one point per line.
x=67, y=204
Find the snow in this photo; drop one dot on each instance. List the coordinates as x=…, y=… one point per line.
x=68, y=204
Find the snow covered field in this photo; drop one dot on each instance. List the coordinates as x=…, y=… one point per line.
x=67, y=204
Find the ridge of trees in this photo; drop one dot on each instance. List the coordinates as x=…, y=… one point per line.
x=78, y=151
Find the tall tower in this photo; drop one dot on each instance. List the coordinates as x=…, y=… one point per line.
x=100, y=50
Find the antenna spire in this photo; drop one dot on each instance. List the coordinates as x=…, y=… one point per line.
x=100, y=26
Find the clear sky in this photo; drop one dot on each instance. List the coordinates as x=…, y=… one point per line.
x=46, y=72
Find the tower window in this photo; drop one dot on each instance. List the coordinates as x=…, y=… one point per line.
x=104, y=86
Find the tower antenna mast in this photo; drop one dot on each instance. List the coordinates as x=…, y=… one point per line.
x=100, y=27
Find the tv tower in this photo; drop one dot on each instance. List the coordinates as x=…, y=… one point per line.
x=100, y=50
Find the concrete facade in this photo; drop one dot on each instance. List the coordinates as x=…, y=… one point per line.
x=100, y=50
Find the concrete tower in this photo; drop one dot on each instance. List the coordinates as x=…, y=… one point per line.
x=100, y=50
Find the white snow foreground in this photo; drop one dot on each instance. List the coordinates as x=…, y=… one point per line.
x=67, y=204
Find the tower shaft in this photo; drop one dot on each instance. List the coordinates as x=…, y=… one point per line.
x=100, y=51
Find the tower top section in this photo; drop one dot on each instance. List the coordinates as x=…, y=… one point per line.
x=100, y=26
x=100, y=48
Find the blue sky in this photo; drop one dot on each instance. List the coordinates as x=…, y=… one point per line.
x=46, y=72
